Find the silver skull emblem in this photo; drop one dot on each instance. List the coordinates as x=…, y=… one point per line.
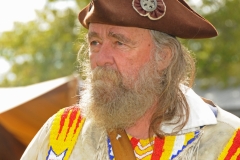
x=148, y=5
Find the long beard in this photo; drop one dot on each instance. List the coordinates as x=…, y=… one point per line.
x=113, y=101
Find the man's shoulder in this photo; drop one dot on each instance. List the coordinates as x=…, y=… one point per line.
x=227, y=124
x=66, y=126
x=66, y=119
x=222, y=115
x=228, y=118
x=221, y=137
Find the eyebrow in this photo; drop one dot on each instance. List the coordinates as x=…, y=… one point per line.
x=92, y=34
x=120, y=37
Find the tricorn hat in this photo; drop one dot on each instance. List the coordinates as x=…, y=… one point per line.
x=173, y=17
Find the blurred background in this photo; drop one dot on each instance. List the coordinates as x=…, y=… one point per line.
x=40, y=73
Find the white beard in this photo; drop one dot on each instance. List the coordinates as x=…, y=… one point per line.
x=110, y=104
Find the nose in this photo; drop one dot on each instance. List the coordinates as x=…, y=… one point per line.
x=104, y=57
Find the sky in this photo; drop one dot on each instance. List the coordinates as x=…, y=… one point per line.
x=21, y=11
x=16, y=10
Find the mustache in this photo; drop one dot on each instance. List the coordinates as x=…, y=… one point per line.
x=107, y=74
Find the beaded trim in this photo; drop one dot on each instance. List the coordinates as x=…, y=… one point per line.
x=159, y=149
x=110, y=150
x=232, y=149
x=64, y=132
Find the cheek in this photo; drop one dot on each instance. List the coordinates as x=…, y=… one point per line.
x=130, y=66
x=129, y=71
x=92, y=61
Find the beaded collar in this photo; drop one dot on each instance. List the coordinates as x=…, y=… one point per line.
x=161, y=149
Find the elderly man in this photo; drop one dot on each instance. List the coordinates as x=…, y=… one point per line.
x=138, y=102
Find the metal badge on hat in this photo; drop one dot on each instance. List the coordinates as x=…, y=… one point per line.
x=153, y=9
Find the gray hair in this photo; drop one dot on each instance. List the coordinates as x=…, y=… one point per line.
x=181, y=70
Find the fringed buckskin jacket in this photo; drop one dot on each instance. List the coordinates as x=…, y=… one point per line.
x=210, y=134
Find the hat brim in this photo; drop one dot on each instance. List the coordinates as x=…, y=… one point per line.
x=179, y=19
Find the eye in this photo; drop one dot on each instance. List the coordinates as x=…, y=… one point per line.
x=119, y=43
x=94, y=43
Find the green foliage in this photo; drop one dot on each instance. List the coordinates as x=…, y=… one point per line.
x=43, y=49
x=47, y=47
x=218, y=59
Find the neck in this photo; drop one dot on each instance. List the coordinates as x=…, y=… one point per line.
x=141, y=128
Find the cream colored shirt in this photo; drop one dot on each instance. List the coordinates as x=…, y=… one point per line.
x=92, y=143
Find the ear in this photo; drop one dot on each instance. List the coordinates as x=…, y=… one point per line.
x=166, y=58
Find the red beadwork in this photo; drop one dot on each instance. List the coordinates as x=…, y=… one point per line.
x=72, y=118
x=235, y=146
x=134, y=142
x=157, y=149
x=63, y=117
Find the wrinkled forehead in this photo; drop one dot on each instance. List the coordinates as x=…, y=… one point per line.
x=126, y=34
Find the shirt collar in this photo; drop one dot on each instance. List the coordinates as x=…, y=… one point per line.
x=200, y=113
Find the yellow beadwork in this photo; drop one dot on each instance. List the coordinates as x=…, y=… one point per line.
x=145, y=149
x=227, y=147
x=234, y=157
x=230, y=143
x=188, y=136
x=162, y=149
x=68, y=136
x=167, y=148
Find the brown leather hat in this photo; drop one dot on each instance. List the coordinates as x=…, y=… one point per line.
x=173, y=17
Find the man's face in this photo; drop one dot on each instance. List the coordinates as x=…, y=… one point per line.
x=125, y=49
x=124, y=82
